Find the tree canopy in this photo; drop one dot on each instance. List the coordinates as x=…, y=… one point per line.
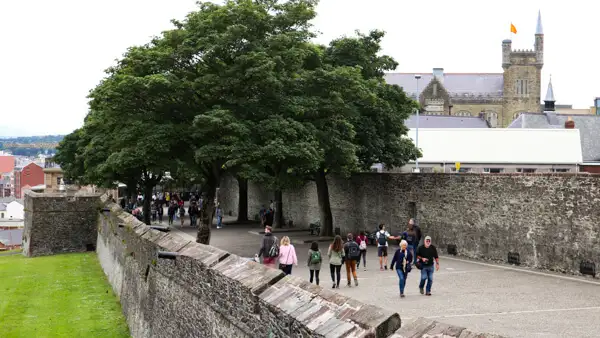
x=241, y=88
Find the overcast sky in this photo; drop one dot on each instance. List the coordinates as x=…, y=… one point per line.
x=54, y=52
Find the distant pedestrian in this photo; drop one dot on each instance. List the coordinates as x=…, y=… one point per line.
x=287, y=256
x=426, y=254
x=362, y=245
x=269, y=248
x=193, y=211
x=160, y=211
x=181, y=213
x=171, y=211
x=382, y=237
x=412, y=235
x=351, y=254
x=336, y=259
x=402, y=260
x=314, y=261
x=219, y=214
x=153, y=211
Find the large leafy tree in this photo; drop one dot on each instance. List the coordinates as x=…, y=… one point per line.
x=366, y=126
x=239, y=58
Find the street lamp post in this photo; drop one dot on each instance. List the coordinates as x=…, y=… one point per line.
x=417, y=77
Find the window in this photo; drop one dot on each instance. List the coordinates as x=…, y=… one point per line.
x=526, y=170
x=561, y=170
x=58, y=181
x=463, y=113
x=2, y=215
x=521, y=87
x=462, y=170
x=493, y=170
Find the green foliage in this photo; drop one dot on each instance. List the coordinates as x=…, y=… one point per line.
x=58, y=296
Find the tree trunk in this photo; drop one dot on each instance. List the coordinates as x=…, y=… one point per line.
x=208, y=212
x=147, y=200
x=243, y=200
x=324, y=206
x=278, y=217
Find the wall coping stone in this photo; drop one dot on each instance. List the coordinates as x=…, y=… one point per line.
x=422, y=327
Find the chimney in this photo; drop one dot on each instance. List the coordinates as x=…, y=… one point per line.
x=569, y=123
x=439, y=73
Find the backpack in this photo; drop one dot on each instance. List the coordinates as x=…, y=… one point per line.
x=315, y=257
x=353, y=251
x=363, y=244
x=382, y=238
x=274, y=250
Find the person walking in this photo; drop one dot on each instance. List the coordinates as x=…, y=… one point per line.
x=314, y=261
x=287, y=256
x=402, y=260
x=426, y=255
x=351, y=254
x=219, y=213
x=160, y=211
x=269, y=249
x=382, y=237
x=336, y=258
x=412, y=235
x=181, y=213
x=171, y=211
x=362, y=245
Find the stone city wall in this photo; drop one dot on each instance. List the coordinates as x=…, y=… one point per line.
x=549, y=220
x=59, y=223
x=207, y=292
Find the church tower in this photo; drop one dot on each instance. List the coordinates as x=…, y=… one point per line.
x=522, y=77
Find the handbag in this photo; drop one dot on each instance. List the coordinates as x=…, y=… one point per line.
x=419, y=264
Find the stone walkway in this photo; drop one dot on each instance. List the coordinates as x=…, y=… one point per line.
x=482, y=297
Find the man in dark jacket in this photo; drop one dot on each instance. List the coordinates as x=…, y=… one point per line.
x=412, y=236
x=269, y=248
x=428, y=255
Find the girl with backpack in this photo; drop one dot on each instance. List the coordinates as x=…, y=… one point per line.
x=287, y=256
x=362, y=245
x=402, y=259
x=314, y=261
x=336, y=259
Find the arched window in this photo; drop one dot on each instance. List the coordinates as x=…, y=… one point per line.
x=463, y=113
x=516, y=115
x=491, y=114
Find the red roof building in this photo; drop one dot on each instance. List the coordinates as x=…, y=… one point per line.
x=30, y=175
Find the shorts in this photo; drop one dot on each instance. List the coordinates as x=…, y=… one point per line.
x=382, y=251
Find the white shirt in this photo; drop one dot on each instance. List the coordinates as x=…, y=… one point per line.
x=382, y=233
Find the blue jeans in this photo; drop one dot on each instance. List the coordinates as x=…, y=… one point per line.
x=193, y=220
x=426, y=275
x=414, y=252
x=219, y=221
x=402, y=278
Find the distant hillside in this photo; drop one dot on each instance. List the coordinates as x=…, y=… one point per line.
x=31, y=145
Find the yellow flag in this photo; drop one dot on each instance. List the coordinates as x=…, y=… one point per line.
x=513, y=29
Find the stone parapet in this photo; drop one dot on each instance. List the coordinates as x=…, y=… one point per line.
x=207, y=292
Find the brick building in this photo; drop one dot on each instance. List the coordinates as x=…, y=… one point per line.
x=30, y=175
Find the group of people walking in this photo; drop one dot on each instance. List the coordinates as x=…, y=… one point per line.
x=282, y=254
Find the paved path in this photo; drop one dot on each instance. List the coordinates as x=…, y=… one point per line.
x=483, y=297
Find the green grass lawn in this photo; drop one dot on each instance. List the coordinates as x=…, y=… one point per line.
x=57, y=296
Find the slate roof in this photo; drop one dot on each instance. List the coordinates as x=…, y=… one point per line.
x=589, y=126
x=441, y=121
x=499, y=145
x=11, y=237
x=486, y=84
